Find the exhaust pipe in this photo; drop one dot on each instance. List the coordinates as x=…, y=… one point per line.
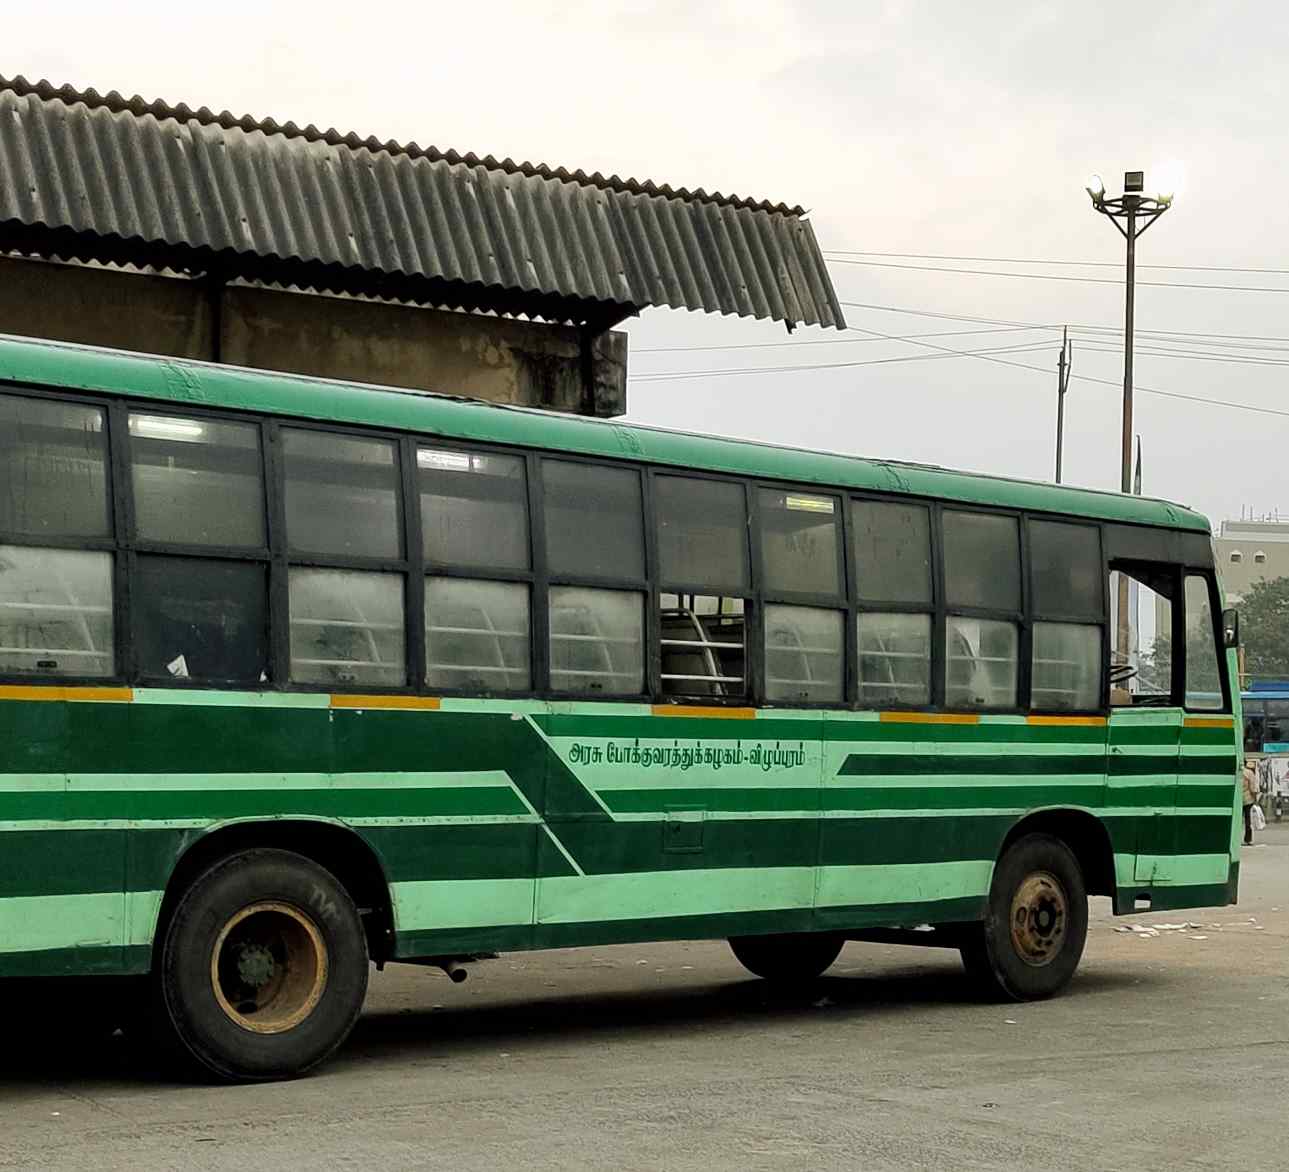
x=456, y=971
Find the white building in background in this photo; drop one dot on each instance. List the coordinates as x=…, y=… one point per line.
x=1250, y=551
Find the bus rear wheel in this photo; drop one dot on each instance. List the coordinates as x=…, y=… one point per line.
x=790, y=958
x=1035, y=925
x=264, y=968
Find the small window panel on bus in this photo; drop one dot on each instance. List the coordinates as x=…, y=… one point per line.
x=596, y=641
x=53, y=469
x=477, y=635
x=702, y=533
x=474, y=509
x=341, y=495
x=200, y=619
x=56, y=612
x=800, y=542
x=981, y=660
x=1065, y=570
x=804, y=654
x=346, y=627
x=1067, y=667
x=894, y=658
x=196, y=481
x=892, y=551
x=1203, y=667
x=594, y=521
x=981, y=561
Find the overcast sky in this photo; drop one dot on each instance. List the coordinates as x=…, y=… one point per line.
x=961, y=129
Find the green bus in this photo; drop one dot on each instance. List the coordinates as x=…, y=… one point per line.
x=297, y=676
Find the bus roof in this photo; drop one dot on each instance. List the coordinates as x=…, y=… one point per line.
x=191, y=383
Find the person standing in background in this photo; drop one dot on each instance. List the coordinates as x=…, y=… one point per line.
x=1249, y=797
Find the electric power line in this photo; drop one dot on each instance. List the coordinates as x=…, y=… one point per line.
x=823, y=341
x=1014, y=260
x=1057, y=277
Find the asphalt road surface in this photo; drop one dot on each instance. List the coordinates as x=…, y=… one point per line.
x=1169, y=1051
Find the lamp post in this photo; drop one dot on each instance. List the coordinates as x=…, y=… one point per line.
x=1131, y=213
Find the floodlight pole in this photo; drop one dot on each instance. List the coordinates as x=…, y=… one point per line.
x=1131, y=213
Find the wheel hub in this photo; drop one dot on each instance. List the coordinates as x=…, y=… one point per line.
x=268, y=967
x=1039, y=915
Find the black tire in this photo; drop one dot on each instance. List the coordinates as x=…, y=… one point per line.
x=791, y=958
x=1038, y=891
x=263, y=969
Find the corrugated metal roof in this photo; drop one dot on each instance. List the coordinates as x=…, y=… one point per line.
x=95, y=177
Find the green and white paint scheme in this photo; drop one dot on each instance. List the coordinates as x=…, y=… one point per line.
x=529, y=824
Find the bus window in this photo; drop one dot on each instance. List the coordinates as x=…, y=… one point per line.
x=1067, y=605
x=982, y=572
x=892, y=557
x=346, y=627
x=1203, y=668
x=1255, y=726
x=597, y=641
x=594, y=525
x=703, y=566
x=801, y=554
x=200, y=619
x=1276, y=728
x=341, y=495
x=56, y=612
x=474, y=509
x=476, y=635
x=53, y=469
x=196, y=481
x=1141, y=672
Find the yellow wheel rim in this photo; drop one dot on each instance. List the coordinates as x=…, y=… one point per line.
x=1039, y=916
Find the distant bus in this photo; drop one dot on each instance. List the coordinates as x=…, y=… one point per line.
x=295, y=676
x=1266, y=737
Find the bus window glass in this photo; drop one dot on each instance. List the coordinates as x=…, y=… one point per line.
x=803, y=654
x=199, y=619
x=1067, y=667
x=596, y=641
x=476, y=635
x=702, y=532
x=474, y=509
x=1203, y=670
x=1142, y=672
x=594, y=526
x=196, y=481
x=980, y=663
x=800, y=542
x=1275, y=730
x=894, y=658
x=341, y=495
x=53, y=460
x=1255, y=726
x=892, y=551
x=982, y=561
x=56, y=612
x=346, y=627
x=1065, y=569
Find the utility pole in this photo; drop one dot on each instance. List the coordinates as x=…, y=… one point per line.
x=1063, y=364
x=1131, y=213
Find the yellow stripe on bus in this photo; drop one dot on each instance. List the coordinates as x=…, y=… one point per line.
x=1210, y=722
x=930, y=718
x=703, y=710
x=26, y=692
x=414, y=703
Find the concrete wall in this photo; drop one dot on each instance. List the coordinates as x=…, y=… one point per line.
x=498, y=359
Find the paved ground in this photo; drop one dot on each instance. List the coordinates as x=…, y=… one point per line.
x=1170, y=1051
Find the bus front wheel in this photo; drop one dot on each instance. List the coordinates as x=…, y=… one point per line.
x=264, y=967
x=1036, y=922
x=788, y=958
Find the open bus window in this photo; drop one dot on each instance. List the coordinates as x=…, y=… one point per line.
x=596, y=641
x=803, y=654
x=704, y=645
x=56, y=612
x=1141, y=653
